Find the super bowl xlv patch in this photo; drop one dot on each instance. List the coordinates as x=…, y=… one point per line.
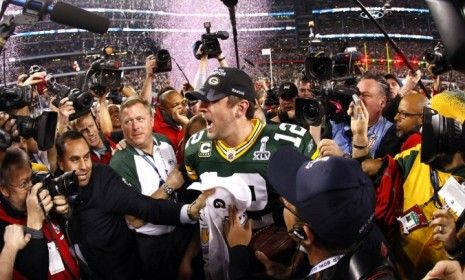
x=412, y=219
x=262, y=154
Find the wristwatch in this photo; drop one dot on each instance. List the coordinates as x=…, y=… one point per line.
x=167, y=189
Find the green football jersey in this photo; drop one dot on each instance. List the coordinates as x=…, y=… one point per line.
x=249, y=160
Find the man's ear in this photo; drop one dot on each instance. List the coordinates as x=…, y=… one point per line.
x=383, y=102
x=310, y=236
x=242, y=107
x=4, y=191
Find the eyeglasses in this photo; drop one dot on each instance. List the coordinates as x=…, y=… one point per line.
x=404, y=115
x=24, y=185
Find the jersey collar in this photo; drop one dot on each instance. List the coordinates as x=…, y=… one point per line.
x=232, y=153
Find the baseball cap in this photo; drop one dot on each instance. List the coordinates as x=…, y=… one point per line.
x=223, y=82
x=287, y=90
x=332, y=194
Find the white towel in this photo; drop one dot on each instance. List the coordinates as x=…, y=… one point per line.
x=229, y=191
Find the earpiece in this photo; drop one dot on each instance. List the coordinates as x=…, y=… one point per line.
x=299, y=232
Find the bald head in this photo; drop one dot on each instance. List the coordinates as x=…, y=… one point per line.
x=409, y=118
x=415, y=102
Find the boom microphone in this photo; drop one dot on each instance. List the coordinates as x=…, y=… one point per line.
x=69, y=15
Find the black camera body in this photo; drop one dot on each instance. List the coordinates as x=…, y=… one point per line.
x=41, y=128
x=66, y=184
x=334, y=84
x=163, y=58
x=438, y=58
x=339, y=66
x=104, y=75
x=209, y=41
x=15, y=97
x=440, y=136
x=332, y=101
x=82, y=101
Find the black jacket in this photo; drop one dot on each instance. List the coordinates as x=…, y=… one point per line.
x=97, y=223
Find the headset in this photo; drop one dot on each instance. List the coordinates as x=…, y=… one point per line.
x=299, y=232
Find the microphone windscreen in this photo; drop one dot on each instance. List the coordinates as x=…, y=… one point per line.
x=73, y=16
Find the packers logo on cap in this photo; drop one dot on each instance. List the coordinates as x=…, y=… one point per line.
x=213, y=81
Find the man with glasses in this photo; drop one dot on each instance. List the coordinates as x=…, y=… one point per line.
x=409, y=119
x=47, y=255
x=330, y=216
x=171, y=116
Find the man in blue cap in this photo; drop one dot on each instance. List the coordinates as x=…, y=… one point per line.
x=329, y=209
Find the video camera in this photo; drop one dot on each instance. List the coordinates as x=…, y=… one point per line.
x=209, y=41
x=15, y=97
x=440, y=136
x=82, y=101
x=41, y=128
x=105, y=75
x=65, y=184
x=438, y=58
x=334, y=84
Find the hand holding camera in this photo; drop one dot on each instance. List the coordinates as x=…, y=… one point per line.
x=38, y=204
x=66, y=109
x=358, y=117
x=150, y=66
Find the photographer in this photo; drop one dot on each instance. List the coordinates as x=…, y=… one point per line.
x=287, y=94
x=408, y=184
x=30, y=205
x=381, y=133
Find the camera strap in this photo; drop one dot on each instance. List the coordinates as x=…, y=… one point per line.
x=435, y=182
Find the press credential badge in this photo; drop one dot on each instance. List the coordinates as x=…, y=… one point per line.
x=453, y=194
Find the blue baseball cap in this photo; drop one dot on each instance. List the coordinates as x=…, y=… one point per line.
x=332, y=194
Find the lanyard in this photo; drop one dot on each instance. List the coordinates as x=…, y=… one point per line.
x=325, y=264
x=146, y=158
x=435, y=183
